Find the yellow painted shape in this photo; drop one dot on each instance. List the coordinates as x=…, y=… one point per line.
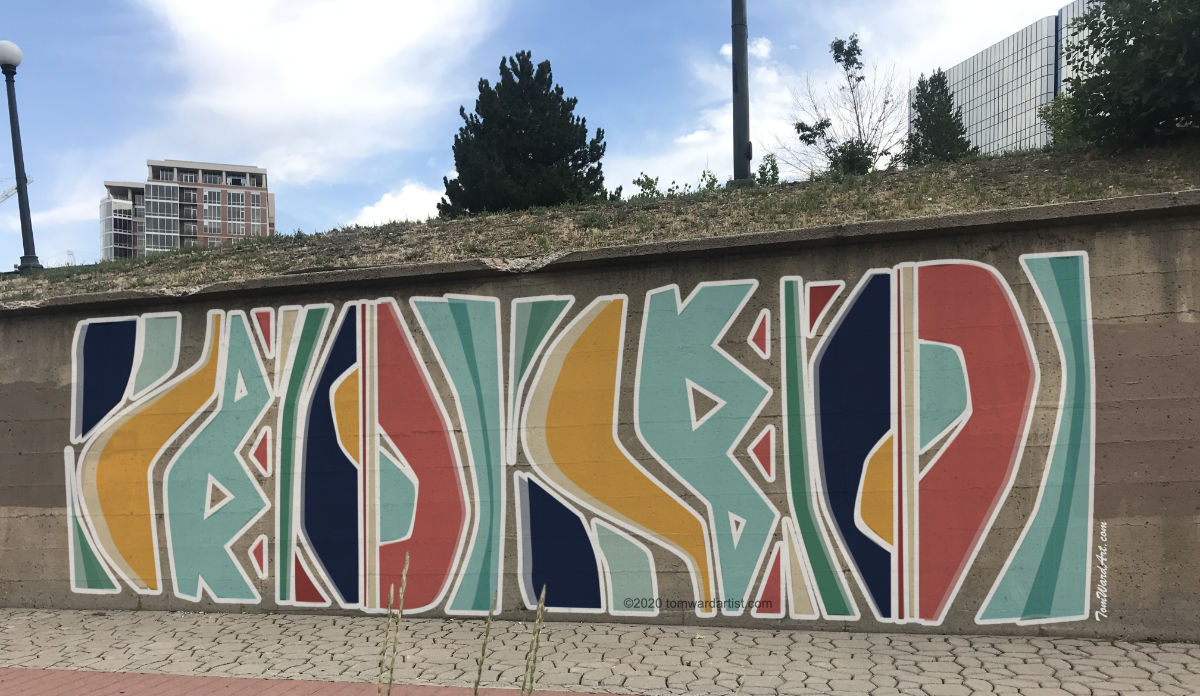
x=876, y=497
x=345, y=414
x=121, y=465
x=580, y=438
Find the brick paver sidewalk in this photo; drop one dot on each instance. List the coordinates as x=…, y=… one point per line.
x=592, y=657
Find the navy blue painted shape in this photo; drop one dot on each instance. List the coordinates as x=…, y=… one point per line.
x=853, y=378
x=561, y=553
x=107, y=348
x=330, y=497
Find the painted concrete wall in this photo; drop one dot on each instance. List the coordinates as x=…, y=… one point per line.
x=978, y=424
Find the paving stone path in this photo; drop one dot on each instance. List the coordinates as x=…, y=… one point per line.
x=593, y=657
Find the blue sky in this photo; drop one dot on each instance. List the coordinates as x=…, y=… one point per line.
x=352, y=106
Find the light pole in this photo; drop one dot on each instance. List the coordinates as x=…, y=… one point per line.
x=743, y=151
x=10, y=58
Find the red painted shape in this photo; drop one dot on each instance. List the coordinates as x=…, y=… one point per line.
x=969, y=306
x=307, y=591
x=258, y=554
x=263, y=317
x=760, y=337
x=412, y=416
x=262, y=452
x=770, y=594
x=763, y=451
x=819, y=297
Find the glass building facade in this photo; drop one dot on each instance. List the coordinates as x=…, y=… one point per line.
x=1001, y=88
x=184, y=204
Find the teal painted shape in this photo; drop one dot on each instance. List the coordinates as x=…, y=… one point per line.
x=397, y=501
x=677, y=345
x=89, y=572
x=198, y=544
x=1047, y=575
x=464, y=332
x=532, y=321
x=160, y=345
x=630, y=572
x=943, y=389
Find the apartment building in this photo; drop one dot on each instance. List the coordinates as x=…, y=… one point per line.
x=1001, y=88
x=183, y=204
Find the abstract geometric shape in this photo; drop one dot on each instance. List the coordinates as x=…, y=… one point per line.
x=217, y=497
x=1047, y=577
x=307, y=590
x=820, y=298
x=629, y=567
x=298, y=347
x=911, y=532
x=557, y=553
x=424, y=489
x=329, y=494
x=534, y=320
x=801, y=603
x=211, y=497
x=852, y=390
x=811, y=547
x=945, y=395
x=769, y=601
x=123, y=518
x=258, y=556
x=261, y=454
x=158, y=354
x=263, y=325
x=702, y=404
x=570, y=437
x=970, y=306
x=680, y=349
x=760, y=336
x=89, y=575
x=398, y=501
x=762, y=452
x=465, y=334
x=104, y=355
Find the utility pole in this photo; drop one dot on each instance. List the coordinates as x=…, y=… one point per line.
x=743, y=150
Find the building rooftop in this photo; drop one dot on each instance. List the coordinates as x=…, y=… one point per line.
x=125, y=184
x=206, y=165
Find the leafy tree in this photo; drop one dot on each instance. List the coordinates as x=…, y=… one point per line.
x=1062, y=120
x=523, y=146
x=850, y=130
x=768, y=171
x=937, y=133
x=1136, y=70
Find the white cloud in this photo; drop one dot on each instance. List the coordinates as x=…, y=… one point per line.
x=760, y=48
x=413, y=201
x=308, y=87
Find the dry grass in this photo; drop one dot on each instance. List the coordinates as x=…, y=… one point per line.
x=1034, y=178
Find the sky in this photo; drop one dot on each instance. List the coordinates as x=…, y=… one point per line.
x=352, y=106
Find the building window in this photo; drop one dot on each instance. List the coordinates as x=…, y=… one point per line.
x=187, y=177
x=212, y=226
x=212, y=177
x=214, y=241
x=237, y=228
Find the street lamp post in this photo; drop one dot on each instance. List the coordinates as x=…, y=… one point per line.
x=10, y=58
x=743, y=151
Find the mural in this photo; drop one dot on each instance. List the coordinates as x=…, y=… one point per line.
x=803, y=450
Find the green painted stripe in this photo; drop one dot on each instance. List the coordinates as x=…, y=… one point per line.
x=831, y=586
x=158, y=351
x=310, y=334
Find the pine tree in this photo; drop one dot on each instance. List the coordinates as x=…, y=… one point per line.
x=523, y=146
x=936, y=133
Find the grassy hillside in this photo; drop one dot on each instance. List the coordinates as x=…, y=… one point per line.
x=1011, y=181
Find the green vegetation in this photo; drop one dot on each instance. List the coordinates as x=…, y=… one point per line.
x=1137, y=75
x=528, y=237
x=523, y=146
x=854, y=129
x=937, y=133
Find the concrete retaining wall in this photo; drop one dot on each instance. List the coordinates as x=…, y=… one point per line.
x=981, y=423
